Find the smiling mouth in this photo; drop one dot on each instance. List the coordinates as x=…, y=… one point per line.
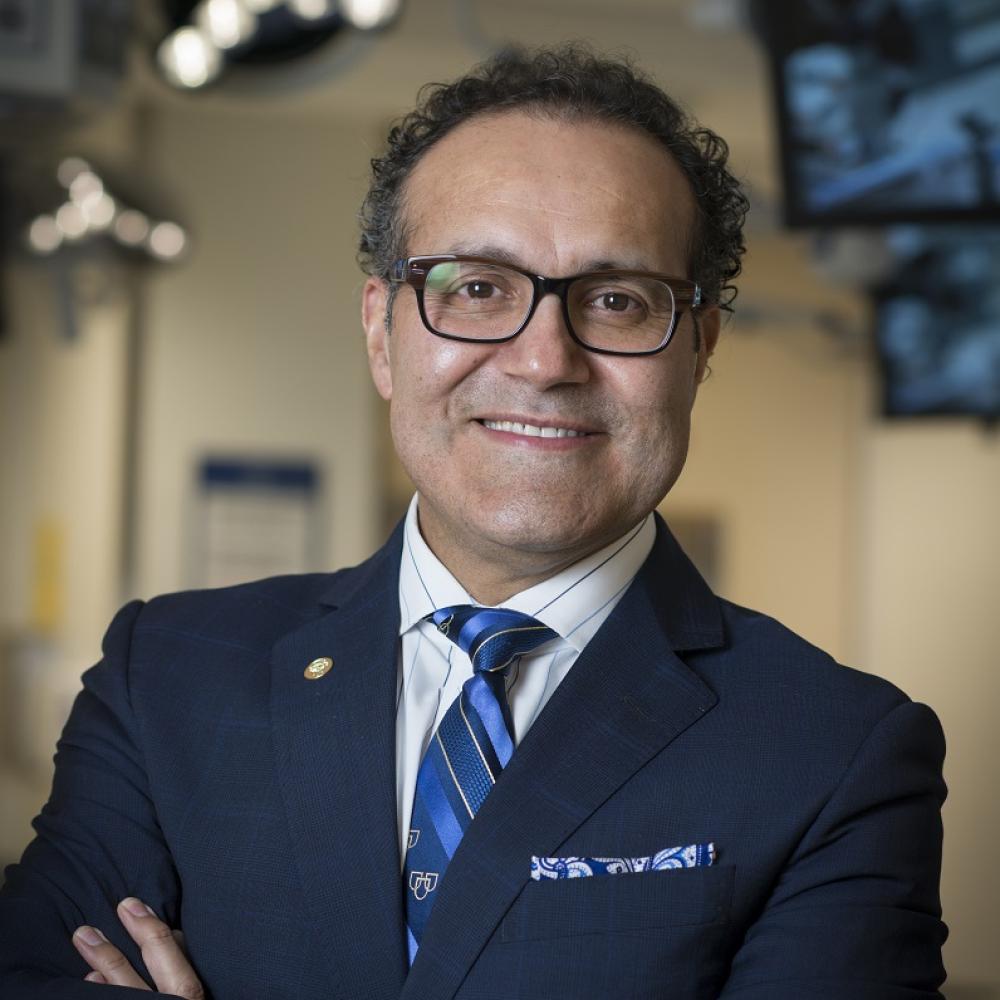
x=532, y=430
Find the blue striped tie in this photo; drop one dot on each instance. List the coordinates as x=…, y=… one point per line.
x=469, y=750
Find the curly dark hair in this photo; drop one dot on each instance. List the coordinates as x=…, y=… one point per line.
x=568, y=81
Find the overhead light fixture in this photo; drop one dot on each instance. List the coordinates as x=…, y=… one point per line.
x=369, y=14
x=207, y=36
x=69, y=168
x=70, y=221
x=227, y=23
x=98, y=209
x=312, y=10
x=189, y=58
x=44, y=235
x=131, y=228
x=167, y=240
x=91, y=211
x=85, y=184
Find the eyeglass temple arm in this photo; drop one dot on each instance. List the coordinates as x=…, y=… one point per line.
x=692, y=300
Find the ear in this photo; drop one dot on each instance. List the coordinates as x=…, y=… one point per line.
x=374, y=298
x=709, y=324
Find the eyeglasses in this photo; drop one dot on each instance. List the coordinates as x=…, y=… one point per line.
x=478, y=300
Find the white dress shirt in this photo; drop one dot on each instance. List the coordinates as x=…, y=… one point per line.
x=432, y=669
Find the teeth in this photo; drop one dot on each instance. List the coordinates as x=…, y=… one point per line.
x=530, y=430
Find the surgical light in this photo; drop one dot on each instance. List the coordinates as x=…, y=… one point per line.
x=167, y=240
x=227, y=23
x=312, y=10
x=71, y=221
x=369, y=14
x=189, y=58
x=131, y=227
x=69, y=169
x=44, y=235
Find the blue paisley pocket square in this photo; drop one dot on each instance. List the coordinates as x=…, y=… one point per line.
x=691, y=856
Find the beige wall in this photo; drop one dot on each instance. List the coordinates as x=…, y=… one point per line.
x=62, y=406
x=61, y=436
x=61, y=422
x=254, y=343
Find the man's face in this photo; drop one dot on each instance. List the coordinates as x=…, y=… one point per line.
x=557, y=198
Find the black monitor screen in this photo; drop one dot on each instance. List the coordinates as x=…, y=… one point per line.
x=889, y=110
x=938, y=324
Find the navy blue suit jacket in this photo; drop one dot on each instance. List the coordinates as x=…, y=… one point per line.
x=256, y=809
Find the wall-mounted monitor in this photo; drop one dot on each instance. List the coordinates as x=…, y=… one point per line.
x=888, y=110
x=937, y=323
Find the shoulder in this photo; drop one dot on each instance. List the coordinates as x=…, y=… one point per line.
x=171, y=653
x=247, y=617
x=787, y=658
x=251, y=615
x=231, y=631
x=767, y=672
x=788, y=713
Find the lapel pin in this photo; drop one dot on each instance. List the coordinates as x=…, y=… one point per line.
x=318, y=668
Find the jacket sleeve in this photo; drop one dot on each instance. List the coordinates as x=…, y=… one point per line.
x=856, y=911
x=97, y=840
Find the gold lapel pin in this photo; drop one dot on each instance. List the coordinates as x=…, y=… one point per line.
x=318, y=668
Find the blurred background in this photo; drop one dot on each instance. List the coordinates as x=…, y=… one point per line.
x=184, y=397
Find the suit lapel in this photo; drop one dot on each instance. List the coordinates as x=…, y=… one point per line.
x=626, y=698
x=335, y=750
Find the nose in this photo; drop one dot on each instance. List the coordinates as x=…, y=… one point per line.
x=544, y=353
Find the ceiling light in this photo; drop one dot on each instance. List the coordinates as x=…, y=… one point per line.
x=83, y=185
x=368, y=14
x=188, y=58
x=167, y=240
x=227, y=23
x=71, y=221
x=98, y=209
x=68, y=170
x=44, y=235
x=131, y=227
x=312, y=10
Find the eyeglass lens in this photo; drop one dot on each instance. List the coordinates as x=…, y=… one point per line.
x=484, y=301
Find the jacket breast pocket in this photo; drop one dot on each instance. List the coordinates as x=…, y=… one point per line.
x=630, y=903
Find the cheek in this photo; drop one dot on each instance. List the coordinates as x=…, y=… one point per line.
x=656, y=393
x=426, y=368
x=659, y=424
x=428, y=374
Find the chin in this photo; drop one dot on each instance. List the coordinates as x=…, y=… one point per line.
x=531, y=527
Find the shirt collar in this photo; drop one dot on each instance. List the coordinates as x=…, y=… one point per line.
x=574, y=602
x=425, y=583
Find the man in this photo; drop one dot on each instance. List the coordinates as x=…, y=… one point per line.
x=530, y=681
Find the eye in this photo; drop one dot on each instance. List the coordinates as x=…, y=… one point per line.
x=616, y=301
x=458, y=279
x=480, y=289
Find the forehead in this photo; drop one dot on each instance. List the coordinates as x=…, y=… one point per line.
x=559, y=194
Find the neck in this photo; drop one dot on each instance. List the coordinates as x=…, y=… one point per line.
x=491, y=573
x=492, y=585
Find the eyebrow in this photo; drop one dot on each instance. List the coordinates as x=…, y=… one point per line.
x=503, y=256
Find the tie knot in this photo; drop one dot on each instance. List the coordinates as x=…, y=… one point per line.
x=493, y=637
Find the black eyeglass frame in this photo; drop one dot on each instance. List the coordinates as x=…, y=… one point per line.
x=413, y=271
